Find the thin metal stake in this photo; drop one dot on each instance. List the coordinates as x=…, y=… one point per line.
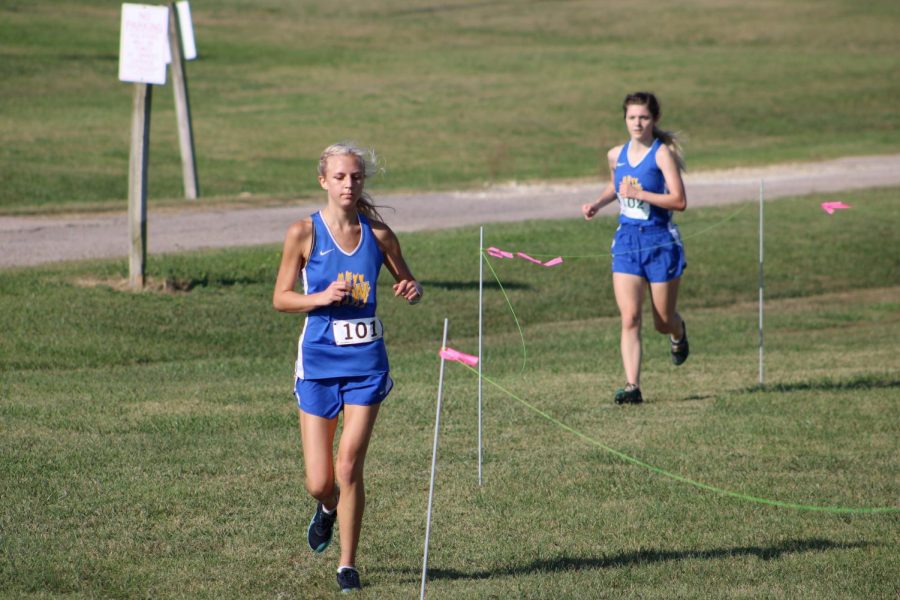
x=761, y=282
x=480, y=338
x=437, y=426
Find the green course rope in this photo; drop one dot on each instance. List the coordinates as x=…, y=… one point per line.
x=635, y=461
x=682, y=479
x=511, y=310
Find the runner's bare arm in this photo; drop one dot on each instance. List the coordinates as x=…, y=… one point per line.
x=406, y=285
x=609, y=192
x=296, y=250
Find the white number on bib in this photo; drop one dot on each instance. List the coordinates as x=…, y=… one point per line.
x=357, y=331
x=634, y=208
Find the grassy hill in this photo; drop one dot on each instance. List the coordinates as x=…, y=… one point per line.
x=452, y=94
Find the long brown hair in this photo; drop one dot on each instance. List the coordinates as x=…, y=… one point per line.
x=368, y=160
x=668, y=138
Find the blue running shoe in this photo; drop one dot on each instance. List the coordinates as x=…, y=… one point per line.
x=348, y=580
x=321, y=528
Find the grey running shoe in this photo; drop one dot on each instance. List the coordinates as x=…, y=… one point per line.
x=680, y=349
x=348, y=580
x=630, y=394
x=321, y=528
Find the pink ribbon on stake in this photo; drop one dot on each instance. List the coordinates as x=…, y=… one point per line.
x=550, y=263
x=498, y=253
x=462, y=357
x=830, y=207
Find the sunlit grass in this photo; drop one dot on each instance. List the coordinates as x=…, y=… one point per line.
x=150, y=446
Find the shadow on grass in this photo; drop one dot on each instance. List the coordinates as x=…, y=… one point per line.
x=428, y=10
x=473, y=285
x=826, y=385
x=575, y=563
x=186, y=284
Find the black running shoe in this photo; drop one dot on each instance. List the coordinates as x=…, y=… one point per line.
x=321, y=528
x=680, y=349
x=630, y=394
x=348, y=580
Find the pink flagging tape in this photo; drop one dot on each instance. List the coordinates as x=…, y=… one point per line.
x=451, y=354
x=830, y=207
x=528, y=258
x=550, y=263
x=498, y=253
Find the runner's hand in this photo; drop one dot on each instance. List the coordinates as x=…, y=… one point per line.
x=336, y=292
x=627, y=189
x=409, y=289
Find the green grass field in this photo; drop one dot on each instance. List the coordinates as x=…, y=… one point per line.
x=149, y=444
x=453, y=94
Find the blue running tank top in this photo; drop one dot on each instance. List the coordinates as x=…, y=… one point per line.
x=342, y=340
x=645, y=176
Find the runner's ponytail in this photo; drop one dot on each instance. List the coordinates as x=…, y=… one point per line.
x=670, y=139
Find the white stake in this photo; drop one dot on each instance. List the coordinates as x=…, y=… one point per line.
x=761, y=281
x=437, y=425
x=480, y=338
x=182, y=107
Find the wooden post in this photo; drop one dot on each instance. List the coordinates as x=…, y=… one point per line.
x=137, y=184
x=182, y=108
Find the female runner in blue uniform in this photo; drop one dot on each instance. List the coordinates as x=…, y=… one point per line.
x=341, y=359
x=647, y=247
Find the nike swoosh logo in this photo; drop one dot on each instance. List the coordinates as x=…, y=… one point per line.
x=324, y=252
x=620, y=164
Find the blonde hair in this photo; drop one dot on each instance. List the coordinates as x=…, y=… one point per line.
x=368, y=160
x=669, y=138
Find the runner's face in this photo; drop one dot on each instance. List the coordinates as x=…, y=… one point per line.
x=639, y=122
x=343, y=180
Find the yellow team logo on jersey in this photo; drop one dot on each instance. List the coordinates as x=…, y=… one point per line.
x=359, y=293
x=633, y=181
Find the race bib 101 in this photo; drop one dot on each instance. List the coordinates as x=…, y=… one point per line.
x=357, y=331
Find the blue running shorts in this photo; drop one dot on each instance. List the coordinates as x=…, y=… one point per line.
x=654, y=252
x=326, y=397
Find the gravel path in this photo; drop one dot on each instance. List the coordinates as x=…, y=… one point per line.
x=28, y=241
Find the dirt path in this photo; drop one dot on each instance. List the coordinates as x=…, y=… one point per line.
x=28, y=241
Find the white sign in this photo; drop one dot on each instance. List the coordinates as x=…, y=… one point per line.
x=144, y=44
x=188, y=46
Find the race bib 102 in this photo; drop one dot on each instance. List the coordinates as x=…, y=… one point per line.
x=357, y=331
x=634, y=208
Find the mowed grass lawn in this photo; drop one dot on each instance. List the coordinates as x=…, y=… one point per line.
x=454, y=94
x=149, y=445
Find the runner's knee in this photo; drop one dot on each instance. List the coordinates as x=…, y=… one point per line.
x=631, y=321
x=348, y=470
x=320, y=486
